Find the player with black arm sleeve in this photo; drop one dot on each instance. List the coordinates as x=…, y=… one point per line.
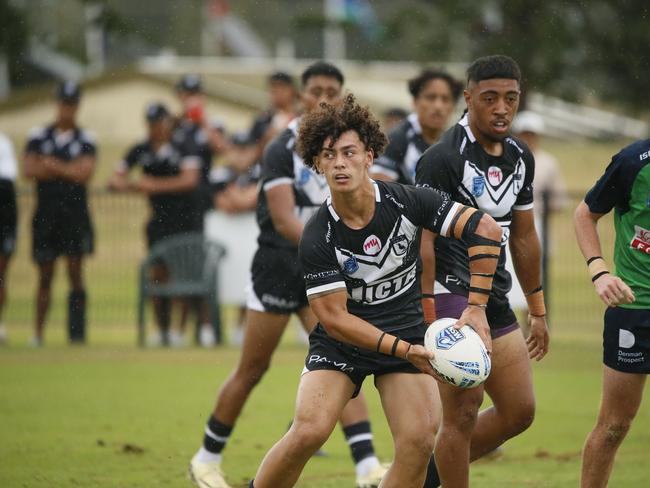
x=480, y=165
x=359, y=253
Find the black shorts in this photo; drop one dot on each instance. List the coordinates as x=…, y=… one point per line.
x=329, y=354
x=626, y=340
x=277, y=282
x=500, y=316
x=60, y=231
x=8, y=217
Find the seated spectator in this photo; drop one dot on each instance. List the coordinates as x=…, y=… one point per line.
x=169, y=178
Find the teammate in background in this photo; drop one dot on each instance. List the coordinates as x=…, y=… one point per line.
x=8, y=219
x=549, y=187
x=435, y=94
x=392, y=117
x=481, y=166
x=359, y=254
x=169, y=179
x=529, y=127
x=283, y=97
x=624, y=187
x=290, y=193
x=60, y=158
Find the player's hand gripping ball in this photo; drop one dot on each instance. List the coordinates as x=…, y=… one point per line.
x=460, y=357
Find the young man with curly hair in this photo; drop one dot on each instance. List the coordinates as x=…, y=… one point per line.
x=359, y=253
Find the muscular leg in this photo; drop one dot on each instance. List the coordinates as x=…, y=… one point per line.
x=452, y=451
x=354, y=418
x=262, y=335
x=413, y=441
x=510, y=386
x=321, y=398
x=76, y=300
x=614, y=420
x=45, y=275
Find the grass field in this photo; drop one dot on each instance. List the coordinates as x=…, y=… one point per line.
x=111, y=415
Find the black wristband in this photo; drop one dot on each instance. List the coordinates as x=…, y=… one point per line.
x=428, y=295
x=593, y=258
x=392, y=351
x=598, y=275
x=476, y=289
x=381, y=338
x=539, y=288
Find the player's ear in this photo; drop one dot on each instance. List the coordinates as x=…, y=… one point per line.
x=315, y=165
x=467, y=96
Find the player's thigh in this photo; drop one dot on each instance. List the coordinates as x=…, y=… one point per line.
x=411, y=403
x=322, y=394
x=308, y=319
x=261, y=337
x=622, y=395
x=510, y=383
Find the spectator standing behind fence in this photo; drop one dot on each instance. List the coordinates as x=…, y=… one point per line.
x=61, y=158
x=8, y=218
x=170, y=178
x=549, y=190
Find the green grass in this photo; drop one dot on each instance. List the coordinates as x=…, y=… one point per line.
x=114, y=416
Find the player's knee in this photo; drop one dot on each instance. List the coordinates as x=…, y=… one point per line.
x=251, y=374
x=311, y=435
x=415, y=444
x=522, y=419
x=614, y=432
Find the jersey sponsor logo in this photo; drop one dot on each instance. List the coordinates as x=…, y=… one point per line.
x=322, y=274
x=626, y=339
x=495, y=175
x=644, y=155
x=380, y=291
x=372, y=245
x=448, y=337
x=400, y=245
x=350, y=266
x=316, y=359
x=641, y=239
x=278, y=302
x=478, y=186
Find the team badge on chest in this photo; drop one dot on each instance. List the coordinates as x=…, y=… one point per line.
x=350, y=266
x=372, y=245
x=495, y=175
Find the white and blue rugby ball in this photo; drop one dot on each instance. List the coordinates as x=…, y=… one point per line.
x=460, y=357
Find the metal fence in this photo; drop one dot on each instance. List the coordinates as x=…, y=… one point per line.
x=111, y=273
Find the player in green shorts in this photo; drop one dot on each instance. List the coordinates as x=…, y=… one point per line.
x=624, y=187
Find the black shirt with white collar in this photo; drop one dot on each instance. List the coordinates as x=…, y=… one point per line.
x=376, y=265
x=405, y=146
x=65, y=146
x=498, y=185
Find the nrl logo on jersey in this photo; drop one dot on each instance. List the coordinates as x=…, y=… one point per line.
x=641, y=239
x=478, y=186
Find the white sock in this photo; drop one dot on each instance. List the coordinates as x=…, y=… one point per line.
x=205, y=456
x=366, y=465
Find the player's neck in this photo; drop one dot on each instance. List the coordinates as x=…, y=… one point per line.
x=493, y=148
x=355, y=208
x=63, y=126
x=430, y=135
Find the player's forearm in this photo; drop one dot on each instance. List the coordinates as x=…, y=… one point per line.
x=483, y=251
x=78, y=172
x=527, y=260
x=172, y=184
x=427, y=254
x=348, y=328
x=585, y=223
x=289, y=227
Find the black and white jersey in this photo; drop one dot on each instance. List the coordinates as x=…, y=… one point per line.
x=497, y=185
x=405, y=146
x=377, y=265
x=168, y=160
x=281, y=165
x=192, y=139
x=222, y=176
x=66, y=146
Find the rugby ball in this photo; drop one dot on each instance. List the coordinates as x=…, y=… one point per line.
x=460, y=357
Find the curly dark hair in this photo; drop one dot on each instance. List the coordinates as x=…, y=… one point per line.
x=417, y=84
x=330, y=121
